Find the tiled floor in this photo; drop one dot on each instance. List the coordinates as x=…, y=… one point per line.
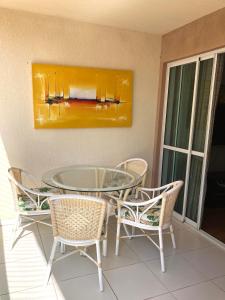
x=195, y=270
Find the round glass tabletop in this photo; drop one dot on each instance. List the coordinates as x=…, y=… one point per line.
x=91, y=179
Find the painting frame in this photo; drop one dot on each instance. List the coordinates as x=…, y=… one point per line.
x=81, y=97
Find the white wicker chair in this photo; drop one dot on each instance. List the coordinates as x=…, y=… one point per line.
x=137, y=165
x=77, y=221
x=140, y=167
x=153, y=214
x=30, y=202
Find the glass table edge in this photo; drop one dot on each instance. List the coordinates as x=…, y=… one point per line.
x=52, y=172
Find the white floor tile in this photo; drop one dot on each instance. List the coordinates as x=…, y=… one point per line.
x=45, y=229
x=179, y=273
x=22, y=274
x=210, y=261
x=220, y=282
x=27, y=246
x=111, y=261
x=47, y=241
x=143, y=248
x=202, y=291
x=134, y=282
x=83, y=288
x=163, y=297
x=40, y=293
x=73, y=266
x=5, y=232
x=186, y=240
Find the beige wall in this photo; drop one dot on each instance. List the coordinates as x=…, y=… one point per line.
x=200, y=36
x=26, y=38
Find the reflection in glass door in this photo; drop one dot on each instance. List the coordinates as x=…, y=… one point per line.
x=186, y=125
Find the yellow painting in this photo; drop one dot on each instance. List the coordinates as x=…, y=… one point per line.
x=73, y=97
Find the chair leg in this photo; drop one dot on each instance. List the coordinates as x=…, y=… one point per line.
x=62, y=248
x=172, y=236
x=85, y=250
x=104, y=244
x=127, y=231
x=50, y=262
x=98, y=251
x=161, y=250
x=14, y=231
x=117, y=238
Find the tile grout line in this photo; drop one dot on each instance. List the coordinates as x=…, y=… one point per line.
x=217, y=285
x=53, y=283
x=196, y=269
x=21, y=291
x=5, y=263
x=156, y=277
x=114, y=293
x=21, y=259
x=160, y=296
x=189, y=285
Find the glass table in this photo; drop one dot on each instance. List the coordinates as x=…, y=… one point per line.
x=91, y=179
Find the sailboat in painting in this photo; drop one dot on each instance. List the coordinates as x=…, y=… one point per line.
x=76, y=95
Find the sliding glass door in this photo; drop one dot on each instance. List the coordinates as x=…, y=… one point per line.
x=187, y=112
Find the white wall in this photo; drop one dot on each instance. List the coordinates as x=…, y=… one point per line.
x=27, y=38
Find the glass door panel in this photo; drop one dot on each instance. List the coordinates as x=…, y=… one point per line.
x=202, y=103
x=172, y=105
x=167, y=166
x=194, y=185
x=174, y=168
x=179, y=106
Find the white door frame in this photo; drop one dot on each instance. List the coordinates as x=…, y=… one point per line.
x=197, y=59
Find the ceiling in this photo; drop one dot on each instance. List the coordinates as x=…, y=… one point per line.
x=153, y=16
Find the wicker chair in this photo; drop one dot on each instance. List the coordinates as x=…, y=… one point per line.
x=30, y=202
x=140, y=167
x=77, y=220
x=153, y=214
x=137, y=165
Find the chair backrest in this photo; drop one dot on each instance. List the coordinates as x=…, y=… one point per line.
x=169, y=198
x=16, y=173
x=137, y=165
x=16, y=180
x=21, y=177
x=77, y=217
x=23, y=186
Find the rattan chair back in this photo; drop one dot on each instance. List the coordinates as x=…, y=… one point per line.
x=77, y=217
x=16, y=174
x=137, y=165
x=168, y=201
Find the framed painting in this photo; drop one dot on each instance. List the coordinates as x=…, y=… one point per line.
x=75, y=97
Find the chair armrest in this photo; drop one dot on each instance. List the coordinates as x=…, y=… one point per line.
x=146, y=189
x=142, y=203
x=32, y=191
